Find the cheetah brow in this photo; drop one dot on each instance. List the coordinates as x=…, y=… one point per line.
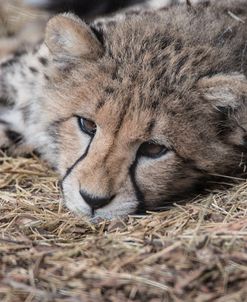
x=61, y=120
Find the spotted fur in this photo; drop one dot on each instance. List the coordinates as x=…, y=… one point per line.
x=174, y=77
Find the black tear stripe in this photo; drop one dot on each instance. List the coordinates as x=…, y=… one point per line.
x=139, y=195
x=69, y=170
x=60, y=184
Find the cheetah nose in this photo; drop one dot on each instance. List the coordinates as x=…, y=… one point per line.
x=95, y=202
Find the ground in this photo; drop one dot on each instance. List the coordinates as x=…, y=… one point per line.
x=195, y=252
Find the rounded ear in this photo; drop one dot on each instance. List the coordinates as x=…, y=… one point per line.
x=68, y=37
x=227, y=97
x=224, y=90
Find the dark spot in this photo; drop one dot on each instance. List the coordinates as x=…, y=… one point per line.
x=116, y=76
x=9, y=62
x=13, y=136
x=43, y=61
x=19, y=53
x=178, y=45
x=150, y=127
x=164, y=41
x=188, y=108
x=172, y=112
x=64, y=68
x=46, y=77
x=199, y=52
x=6, y=102
x=154, y=104
x=109, y=90
x=33, y=69
x=182, y=79
x=100, y=104
x=133, y=76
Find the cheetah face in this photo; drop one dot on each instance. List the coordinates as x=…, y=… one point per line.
x=127, y=139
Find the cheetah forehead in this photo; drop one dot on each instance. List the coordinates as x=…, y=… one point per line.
x=170, y=51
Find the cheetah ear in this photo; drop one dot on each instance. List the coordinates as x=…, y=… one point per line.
x=68, y=38
x=224, y=90
x=227, y=95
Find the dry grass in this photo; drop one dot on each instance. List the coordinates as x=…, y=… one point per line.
x=195, y=252
x=14, y=15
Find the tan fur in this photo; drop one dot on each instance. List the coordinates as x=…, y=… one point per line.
x=175, y=78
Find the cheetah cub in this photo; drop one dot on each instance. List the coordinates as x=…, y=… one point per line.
x=133, y=113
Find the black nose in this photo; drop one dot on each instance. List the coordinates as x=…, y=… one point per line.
x=95, y=202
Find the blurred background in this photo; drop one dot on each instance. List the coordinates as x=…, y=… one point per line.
x=22, y=22
x=14, y=14
x=84, y=8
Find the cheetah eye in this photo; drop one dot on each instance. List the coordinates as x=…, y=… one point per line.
x=152, y=150
x=87, y=126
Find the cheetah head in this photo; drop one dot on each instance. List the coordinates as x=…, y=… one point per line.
x=133, y=121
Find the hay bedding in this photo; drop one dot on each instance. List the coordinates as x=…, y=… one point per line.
x=195, y=252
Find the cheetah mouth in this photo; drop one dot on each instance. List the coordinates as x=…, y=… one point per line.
x=115, y=211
